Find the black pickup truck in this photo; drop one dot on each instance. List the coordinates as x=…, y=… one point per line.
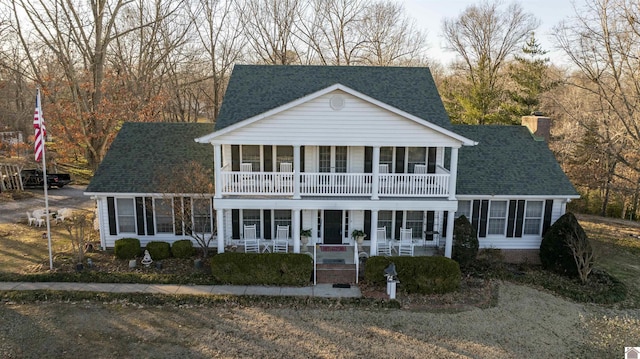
x=34, y=178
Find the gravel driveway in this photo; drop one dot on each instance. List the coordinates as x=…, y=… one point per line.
x=70, y=196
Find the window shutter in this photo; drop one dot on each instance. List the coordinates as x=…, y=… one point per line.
x=267, y=224
x=367, y=224
x=177, y=219
x=475, y=216
x=548, y=208
x=140, y=215
x=519, y=218
x=267, y=162
x=235, y=158
x=511, y=220
x=148, y=205
x=235, y=223
x=188, y=223
x=445, y=223
x=398, y=223
x=111, y=212
x=430, y=223
x=484, y=209
x=368, y=159
x=431, y=160
x=302, y=159
x=399, y=164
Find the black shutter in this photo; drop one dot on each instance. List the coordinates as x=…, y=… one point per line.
x=430, y=223
x=235, y=223
x=140, y=215
x=235, y=157
x=177, y=219
x=148, y=205
x=367, y=224
x=484, y=209
x=399, y=161
x=548, y=208
x=398, y=223
x=519, y=218
x=368, y=160
x=301, y=158
x=475, y=216
x=431, y=160
x=445, y=223
x=267, y=162
x=267, y=224
x=111, y=212
x=188, y=225
x=511, y=220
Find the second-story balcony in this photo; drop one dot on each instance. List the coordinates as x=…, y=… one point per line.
x=336, y=184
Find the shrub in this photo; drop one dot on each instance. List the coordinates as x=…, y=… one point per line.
x=159, y=250
x=423, y=275
x=465, y=243
x=262, y=268
x=127, y=248
x=564, y=245
x=183, y=249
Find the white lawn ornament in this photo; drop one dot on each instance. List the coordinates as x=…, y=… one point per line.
x=146, y=260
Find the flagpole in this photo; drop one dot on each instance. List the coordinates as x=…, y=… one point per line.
x=46, y=185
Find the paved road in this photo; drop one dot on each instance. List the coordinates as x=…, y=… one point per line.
x=70, y=196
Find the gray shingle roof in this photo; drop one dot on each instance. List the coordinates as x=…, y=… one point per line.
x=254, y=89
x=143, y=152
x=508, y=161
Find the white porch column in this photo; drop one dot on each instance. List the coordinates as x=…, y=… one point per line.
x=220, y=230
x=449, y=240
x=375, y=170
x=296, y=177
x=217, y=170
x=295, y=229
x=374, y=233
x=453, y=170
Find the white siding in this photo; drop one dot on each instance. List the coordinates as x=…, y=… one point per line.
x=311, y=158
x=355, y=161
x=358, y=123
x=226, y=156
x=356, y=221
x=557, y=211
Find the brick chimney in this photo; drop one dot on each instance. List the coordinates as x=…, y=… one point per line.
x=538, y=125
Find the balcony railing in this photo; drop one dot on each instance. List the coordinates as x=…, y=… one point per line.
x=335, y=184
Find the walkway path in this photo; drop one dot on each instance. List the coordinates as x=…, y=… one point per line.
x=320, y=290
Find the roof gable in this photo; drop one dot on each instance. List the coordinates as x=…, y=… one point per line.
x=255, y=89
x=508, y=161
x=141, y=152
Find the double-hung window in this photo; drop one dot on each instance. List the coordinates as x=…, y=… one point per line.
x=415, y=221
x=252, y=216
x=282, y=217
x=164, y=215
x=533, y=217
x=385, y=219
x=497, y=218
x=251, y=154
x=201, y=215
x=464, y=209
x=126, y=215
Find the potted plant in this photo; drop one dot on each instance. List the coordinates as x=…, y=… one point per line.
x=358, y=235
x=304, y=236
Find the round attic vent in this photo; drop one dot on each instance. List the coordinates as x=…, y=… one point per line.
x=337, y=102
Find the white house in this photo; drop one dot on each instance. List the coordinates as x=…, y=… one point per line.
x=333, y=149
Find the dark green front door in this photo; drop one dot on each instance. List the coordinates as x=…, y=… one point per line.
x=332, y=227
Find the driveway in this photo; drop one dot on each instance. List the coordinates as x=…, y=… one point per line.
x=70, y=196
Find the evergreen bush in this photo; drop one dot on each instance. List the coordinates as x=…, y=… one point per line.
x=423, y=275
x=465, y=241
x=183, y=249
x=159, y=250
x=262, y=268
x=127, y=248
x=555, y=253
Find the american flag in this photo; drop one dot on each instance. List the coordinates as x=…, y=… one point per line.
x=38, y=125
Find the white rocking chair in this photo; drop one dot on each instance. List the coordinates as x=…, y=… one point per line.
x=383, y=245
x=406, y=245
x=281, y=243
x=251, y=242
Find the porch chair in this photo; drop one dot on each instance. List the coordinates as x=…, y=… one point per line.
x=246, y=167
x=251, y=241
x=62, y=214
x=248, y=180
x=281, y=243
x=286, y=167
x=39, y=215
x=405, y=247
x=383, y=245
x=285, y=177
x=32, y=220
x=421, y=169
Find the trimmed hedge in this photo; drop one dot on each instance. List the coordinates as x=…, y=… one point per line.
x=127, y=248
x=423, y=275
x=183, y=249
x=159, y=250
x=262, y=268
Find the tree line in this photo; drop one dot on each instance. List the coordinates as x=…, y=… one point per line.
x=102, y=62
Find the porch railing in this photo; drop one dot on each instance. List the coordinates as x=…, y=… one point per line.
x=335, y=184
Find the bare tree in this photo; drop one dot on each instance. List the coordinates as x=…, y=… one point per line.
x=582, y=254
x=269, y=27
x=602, y=41
x=390, y=36
x=483, y=37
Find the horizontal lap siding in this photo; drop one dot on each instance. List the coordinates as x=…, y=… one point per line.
x=358, y=123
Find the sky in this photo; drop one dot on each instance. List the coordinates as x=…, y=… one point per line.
x=430, y=13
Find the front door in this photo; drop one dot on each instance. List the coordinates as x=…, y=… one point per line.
x=332, y=233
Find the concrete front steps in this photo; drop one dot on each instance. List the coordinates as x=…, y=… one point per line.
x=336, y=273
